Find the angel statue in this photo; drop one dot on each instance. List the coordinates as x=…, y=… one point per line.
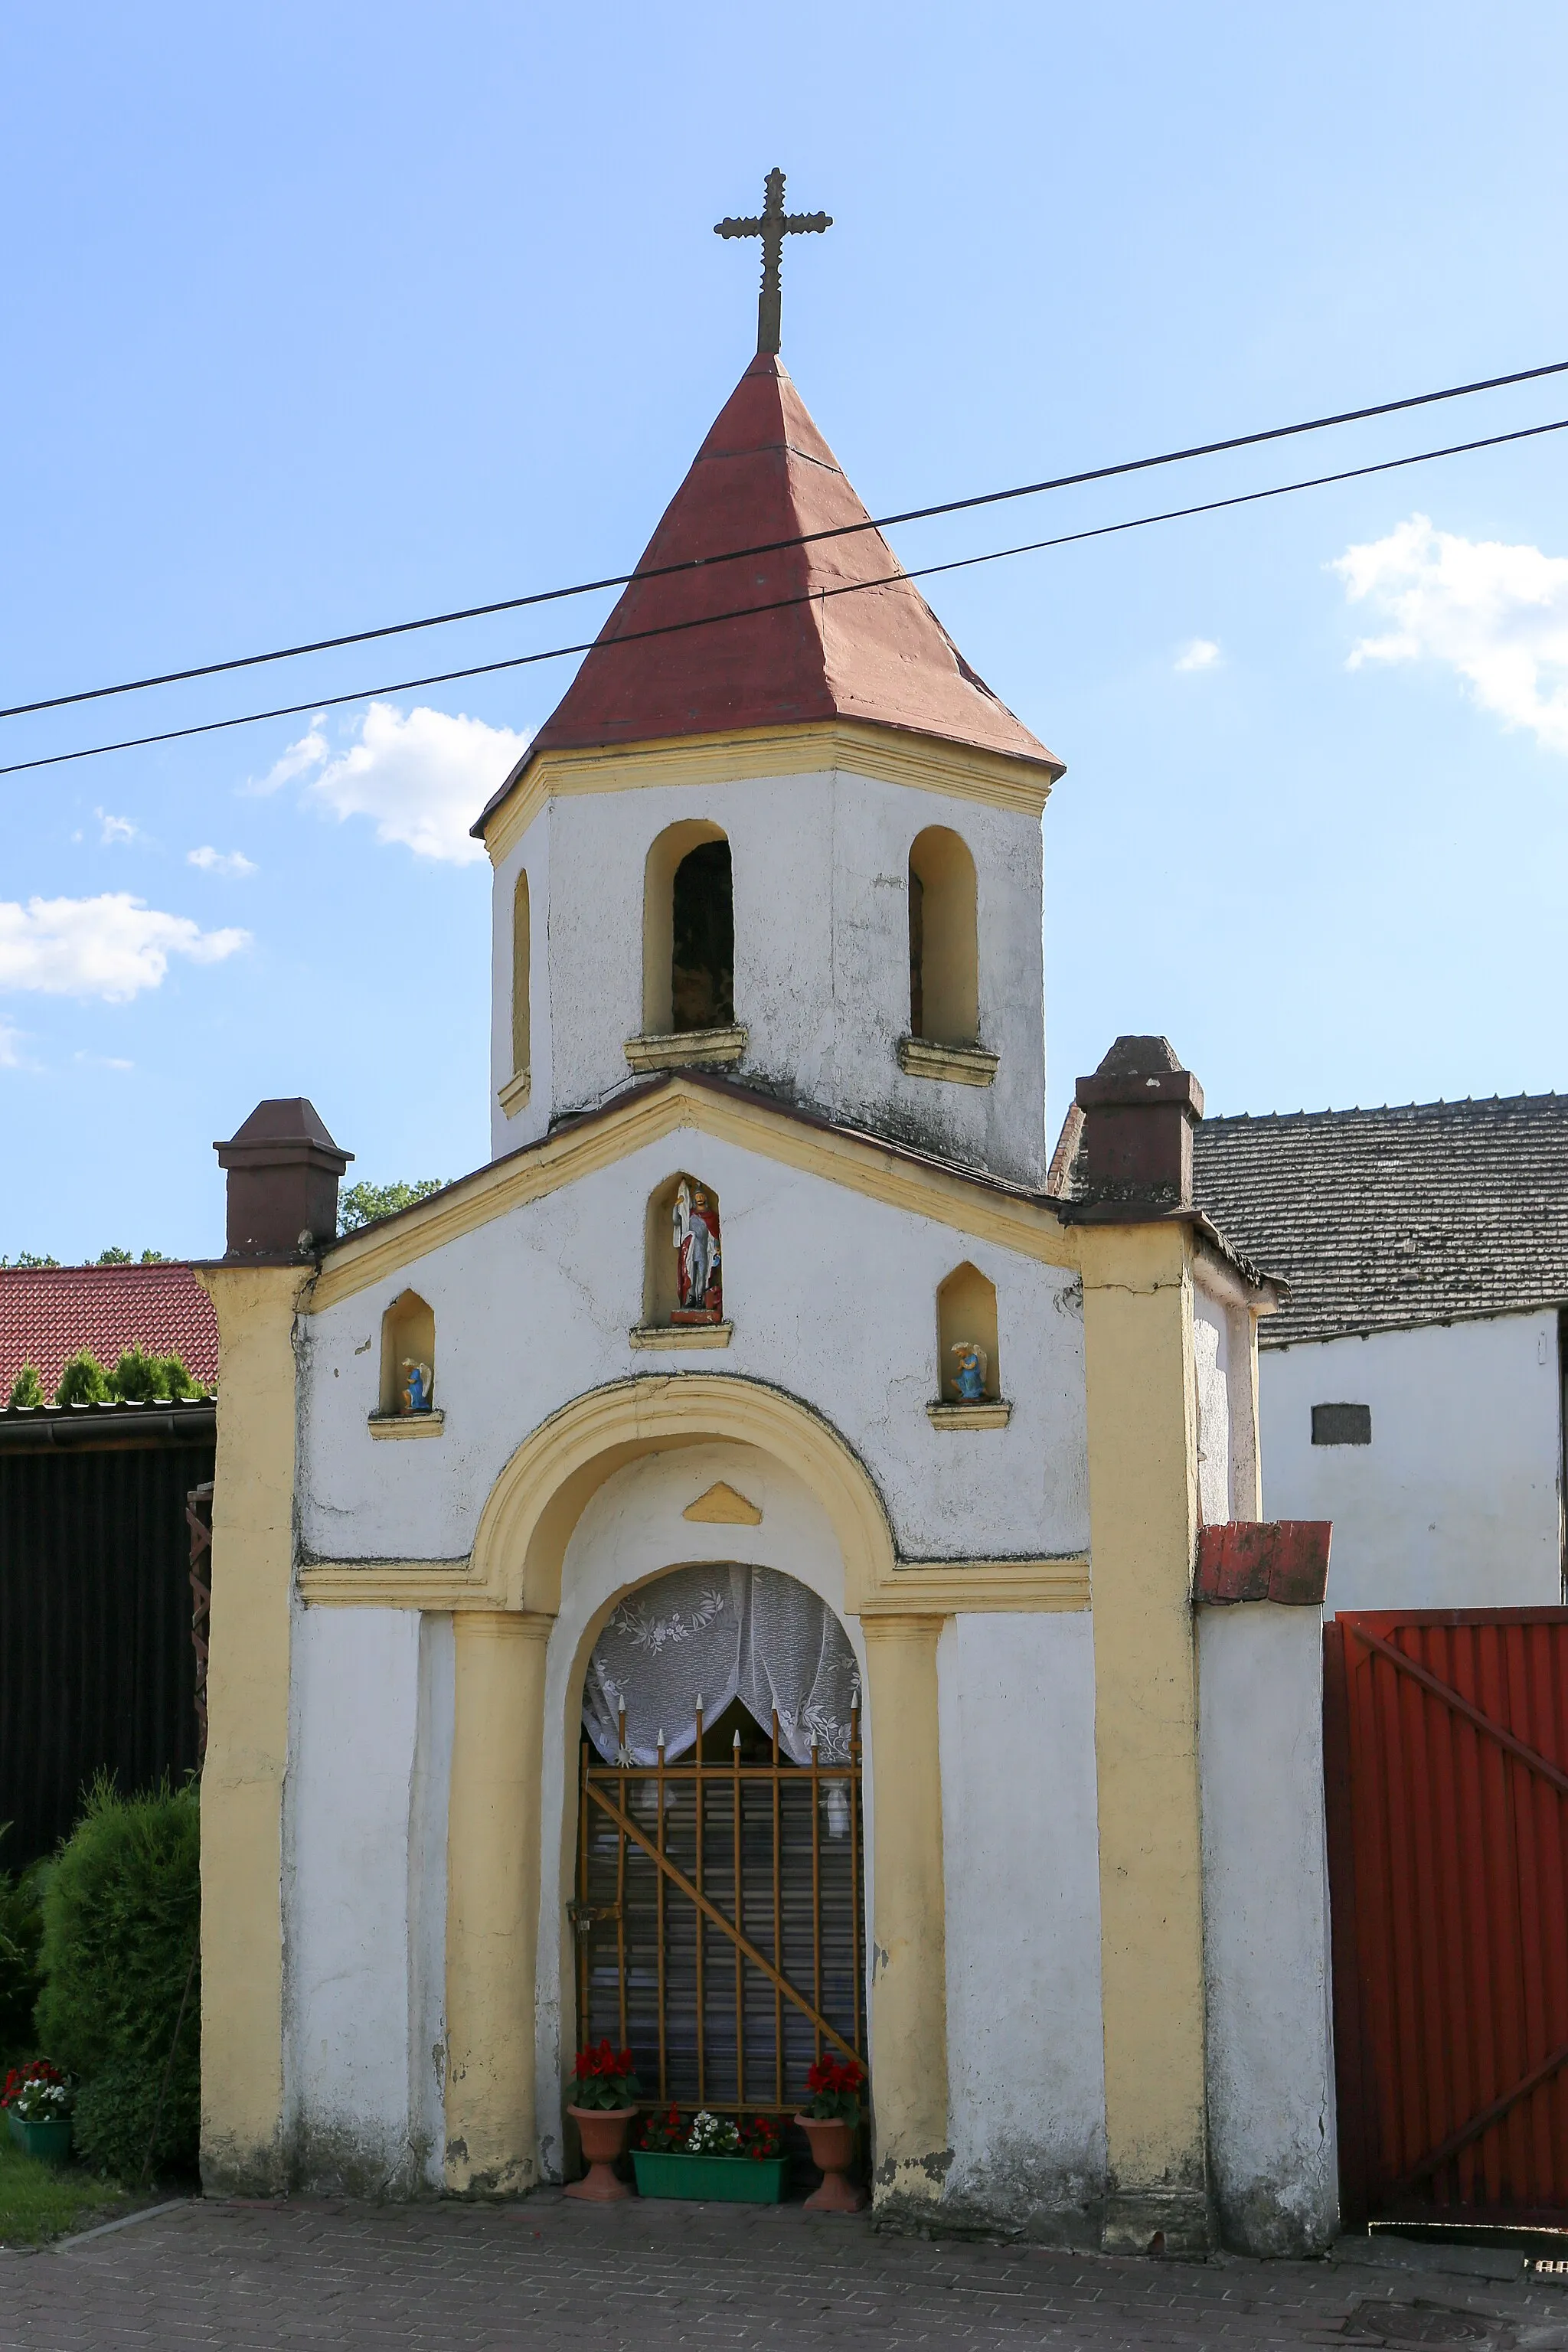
x=695, y=1233
x=969, y=1378
x=417, y=1384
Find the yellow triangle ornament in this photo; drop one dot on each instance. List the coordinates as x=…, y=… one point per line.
x=722, y=1507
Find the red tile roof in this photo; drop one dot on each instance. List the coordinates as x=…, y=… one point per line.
x=765, y=474
x=48, y=1312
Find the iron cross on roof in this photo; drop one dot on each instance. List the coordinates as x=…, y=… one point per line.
x=772, y=224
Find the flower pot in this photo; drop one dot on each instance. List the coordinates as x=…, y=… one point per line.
x=719, y=2179
x=833, y=2151
x=602, y=2132
x=52, y=2141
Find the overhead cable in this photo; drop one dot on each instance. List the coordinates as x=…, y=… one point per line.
x=774, y=546
x=781, y=603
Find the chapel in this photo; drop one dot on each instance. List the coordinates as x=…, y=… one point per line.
x=726, y=1574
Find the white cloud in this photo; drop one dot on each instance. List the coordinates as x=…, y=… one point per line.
x=422, y=779
x=307, y=753
x=112, y=947
x=115, y=828
x=231, y=863
x=1202, y=653
x=1497, y=615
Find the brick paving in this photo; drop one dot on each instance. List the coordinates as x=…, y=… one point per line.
x=553, y=2275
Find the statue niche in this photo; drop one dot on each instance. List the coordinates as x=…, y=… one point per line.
x=684, y=1284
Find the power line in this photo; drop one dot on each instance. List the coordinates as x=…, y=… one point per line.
x=781, y=603
x=770, y=547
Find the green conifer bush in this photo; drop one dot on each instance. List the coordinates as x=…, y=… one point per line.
x=21, y=1926
x=83, y=1380
x=121, y=1904
x=141, y=1378
x=26, y=1388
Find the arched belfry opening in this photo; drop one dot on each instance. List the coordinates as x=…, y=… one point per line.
x=944, y=947
x=719, y=1902
x=689, y=931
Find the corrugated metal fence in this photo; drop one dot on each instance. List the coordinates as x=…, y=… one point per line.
x=1446, y=1760
x=97, y=1666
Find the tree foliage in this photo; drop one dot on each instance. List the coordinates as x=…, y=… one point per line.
x=141, y=1378
x=27, y=1389
x=83, y=1380
x=361, y=1204
x=121, y=1905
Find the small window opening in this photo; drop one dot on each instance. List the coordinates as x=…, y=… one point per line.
x=407, y=1356
x=1341, y=1424
x=684, y=1281
x=703, y=954
x=969, y=1361
x=520, y=945
x=944, y=989
x=689, y=931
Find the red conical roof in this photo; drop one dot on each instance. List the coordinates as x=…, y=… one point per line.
x=764, y=474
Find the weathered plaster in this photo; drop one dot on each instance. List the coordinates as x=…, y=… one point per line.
x=1455, y=1503
x=821, y=967
x=1266, y=1928
x=1026, y=2061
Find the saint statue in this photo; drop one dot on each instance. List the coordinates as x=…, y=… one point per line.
x=416, y=1386
x=969, y=1378
x=698, y=1288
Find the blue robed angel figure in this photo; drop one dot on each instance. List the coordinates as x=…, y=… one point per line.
x=416, y=1386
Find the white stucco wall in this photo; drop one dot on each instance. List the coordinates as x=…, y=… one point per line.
x=1455, y=1504
x=631, y=1530
x=1020, y=1851
x=822, y=960
x=365, y=1896
x=833, y=1297
x=1265, y=1927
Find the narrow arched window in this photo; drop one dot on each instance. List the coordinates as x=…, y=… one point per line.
x=521, y=942
x=689, y=931
x=969, y=1359
x=407, y=1357
x=944, y=984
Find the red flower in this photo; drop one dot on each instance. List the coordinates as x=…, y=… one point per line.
x=835, y=2074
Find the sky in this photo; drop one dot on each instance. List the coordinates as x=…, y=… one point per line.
x=323, y=317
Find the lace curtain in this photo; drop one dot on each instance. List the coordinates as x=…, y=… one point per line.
x=719, y=1633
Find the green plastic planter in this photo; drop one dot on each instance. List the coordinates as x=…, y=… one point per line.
x=51, y=2141
x=722, y=2179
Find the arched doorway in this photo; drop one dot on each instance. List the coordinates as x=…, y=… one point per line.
x=719, y=1910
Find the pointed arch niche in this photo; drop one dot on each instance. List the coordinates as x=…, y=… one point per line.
x=966, y=1330
x=943, y=1040
x=683, y=1269
x=515, y=1093
x=406, y=1407
x=688, y=953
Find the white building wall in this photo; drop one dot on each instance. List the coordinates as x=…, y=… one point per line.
x=1456, y=1502
x=822, y=964
x=833, y=1299
x=364, y=1911
x=1265, y=1927
x=1020, y=1868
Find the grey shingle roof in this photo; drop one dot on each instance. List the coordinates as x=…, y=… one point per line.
x=1379, y=1219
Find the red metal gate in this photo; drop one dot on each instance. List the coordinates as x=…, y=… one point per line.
x=1446, y=1760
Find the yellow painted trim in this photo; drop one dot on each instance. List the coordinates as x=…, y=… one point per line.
x=855, y=1161
x=513, y=1097
x=407, y=1424
x=910, y=2149
x=995, y=1413
x=680, y=1334
x=963, y=1065
x=688, y=1049
x=493, y=1852
x=886, y=754
x=723, y=1506
x=247, y=1735
x=1142, y=1487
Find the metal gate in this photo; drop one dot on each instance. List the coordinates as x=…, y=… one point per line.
x=1447, y=1762
x=719, y=1921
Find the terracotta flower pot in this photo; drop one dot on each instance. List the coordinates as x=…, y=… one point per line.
x=833, y=2153
x=602, y=2132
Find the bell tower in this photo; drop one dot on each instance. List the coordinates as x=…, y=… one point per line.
x=777, y=829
